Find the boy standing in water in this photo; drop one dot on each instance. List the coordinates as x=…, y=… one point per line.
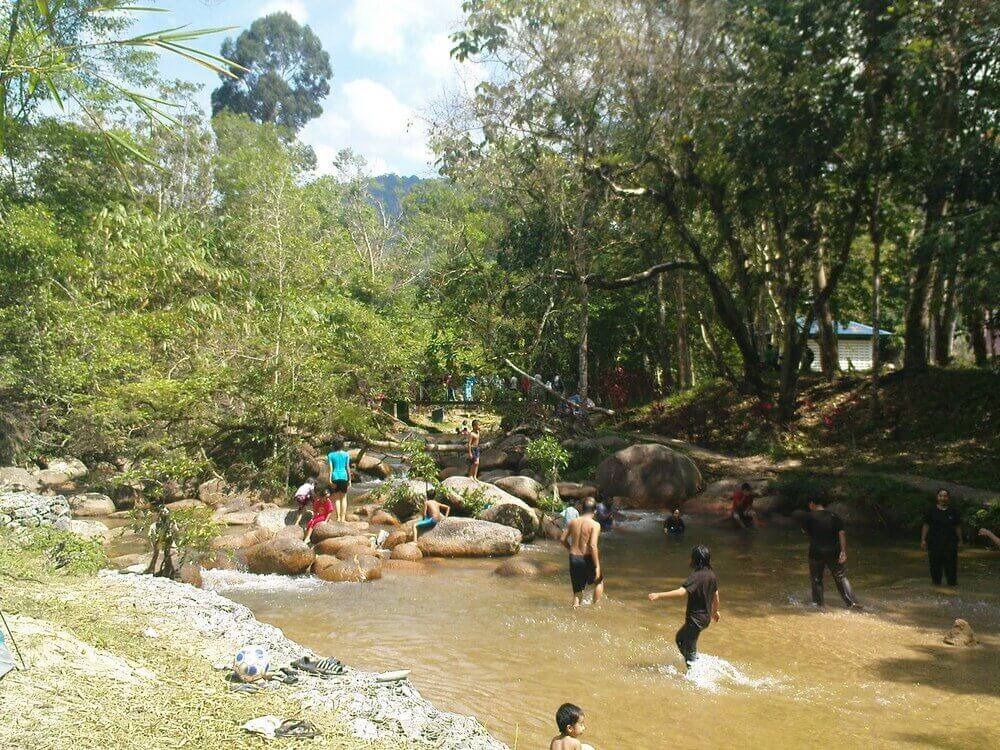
x=569, y=720
x=827, y=549
x=702, y=591
x=581, y=537
x=474, y=450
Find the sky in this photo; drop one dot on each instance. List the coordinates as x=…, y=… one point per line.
x=390, y=61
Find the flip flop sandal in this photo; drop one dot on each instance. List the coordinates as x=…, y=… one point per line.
x=286, y=678
x=296, y=728
x=244, y=687
x=321, y=667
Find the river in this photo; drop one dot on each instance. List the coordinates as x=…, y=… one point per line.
x=775, y=673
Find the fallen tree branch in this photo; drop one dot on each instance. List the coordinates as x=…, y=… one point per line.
x=556, y=393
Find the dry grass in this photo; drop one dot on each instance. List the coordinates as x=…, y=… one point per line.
x=95, y=681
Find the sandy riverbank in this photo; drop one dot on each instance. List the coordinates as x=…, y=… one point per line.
x=126, y=661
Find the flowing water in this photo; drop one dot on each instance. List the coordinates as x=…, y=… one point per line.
x=774, y=673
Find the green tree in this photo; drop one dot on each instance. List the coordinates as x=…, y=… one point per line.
x=286, y=73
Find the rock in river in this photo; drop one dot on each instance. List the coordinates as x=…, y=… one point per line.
x=513, y=512
x=333, y=545
x=468, y=537
x=91, y=504
x=407, y=551
x=649, y=475
x=282, y=554
x=332, y=529
x=961, y=634
x=356, y=569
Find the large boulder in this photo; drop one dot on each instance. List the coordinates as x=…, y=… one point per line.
x=550, y=527
x=356, y=569
x=383, y=518
x=86, y=529
x=515, y=567
x=455, y=489
x=370, y=464
x=214, y=492
x=649, y=475
x=332, y=529
x=525, y=488
x=576, y=490
x=407, y=551
x=91, y=504
x=55, y=481
x=468, y=537
x=72, y=468
x=282, y=554
x=275, y=519
x=333, y=545
x=397, y=537
x=358, y=548
x=16, y=479
x=514, y=512
x=493, y=476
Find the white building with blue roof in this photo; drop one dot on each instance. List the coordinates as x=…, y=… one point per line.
x=854, y=345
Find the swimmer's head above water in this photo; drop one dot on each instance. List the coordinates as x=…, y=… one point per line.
x=569, y=719
x=589, y=506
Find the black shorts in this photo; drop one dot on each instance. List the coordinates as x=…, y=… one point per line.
x=583, y=572
x=340, y=485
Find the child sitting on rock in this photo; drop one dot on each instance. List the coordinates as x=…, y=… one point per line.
x=322, y=508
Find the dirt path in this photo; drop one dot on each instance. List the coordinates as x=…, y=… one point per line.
x=725, y=465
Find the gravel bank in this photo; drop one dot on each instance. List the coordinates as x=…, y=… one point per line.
x=374, y=710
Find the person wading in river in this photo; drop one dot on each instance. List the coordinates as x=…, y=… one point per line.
x=474, y=450
x=827, y=549
x=582, y=538
x=340, y=477
x=702, y=591
x=941, y=536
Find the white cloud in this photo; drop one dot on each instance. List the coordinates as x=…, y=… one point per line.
x=368, y=117
x=388, y=27
x=295, y=8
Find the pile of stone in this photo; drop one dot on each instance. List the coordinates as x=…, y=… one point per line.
x=30, y=509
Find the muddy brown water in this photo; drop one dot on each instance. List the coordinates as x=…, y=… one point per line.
x=775, y=673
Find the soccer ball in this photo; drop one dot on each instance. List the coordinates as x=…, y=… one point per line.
x=251, y=663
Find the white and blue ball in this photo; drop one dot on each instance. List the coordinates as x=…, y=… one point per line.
x=251, y=663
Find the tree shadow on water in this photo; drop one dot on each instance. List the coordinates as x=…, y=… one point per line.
x=953, y=739
x=970, y=671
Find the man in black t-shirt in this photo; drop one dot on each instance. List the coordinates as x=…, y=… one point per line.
x=941, y=536
x=702, y=591
x=827, y=549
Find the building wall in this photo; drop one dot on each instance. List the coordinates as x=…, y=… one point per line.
x=856, y=353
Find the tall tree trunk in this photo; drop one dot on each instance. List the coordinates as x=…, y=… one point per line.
x=829, y=356
x=944, y=321
x=685, y=372
x=584, y=328
x=976, y=323
x=663, y=336
x=915, y=348
x=875, y=230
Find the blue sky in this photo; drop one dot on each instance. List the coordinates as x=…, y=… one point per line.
x=390, y=62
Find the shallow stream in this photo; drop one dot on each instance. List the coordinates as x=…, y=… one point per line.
x=775, y=672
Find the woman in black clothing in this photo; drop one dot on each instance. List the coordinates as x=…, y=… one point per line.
x=701, y=589
x=941, y=536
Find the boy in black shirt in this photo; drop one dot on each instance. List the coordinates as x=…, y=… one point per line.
x=827, y=549
x=941, y=536
x=702, y=591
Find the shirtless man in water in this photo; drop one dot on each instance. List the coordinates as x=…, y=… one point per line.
x=581, y=537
